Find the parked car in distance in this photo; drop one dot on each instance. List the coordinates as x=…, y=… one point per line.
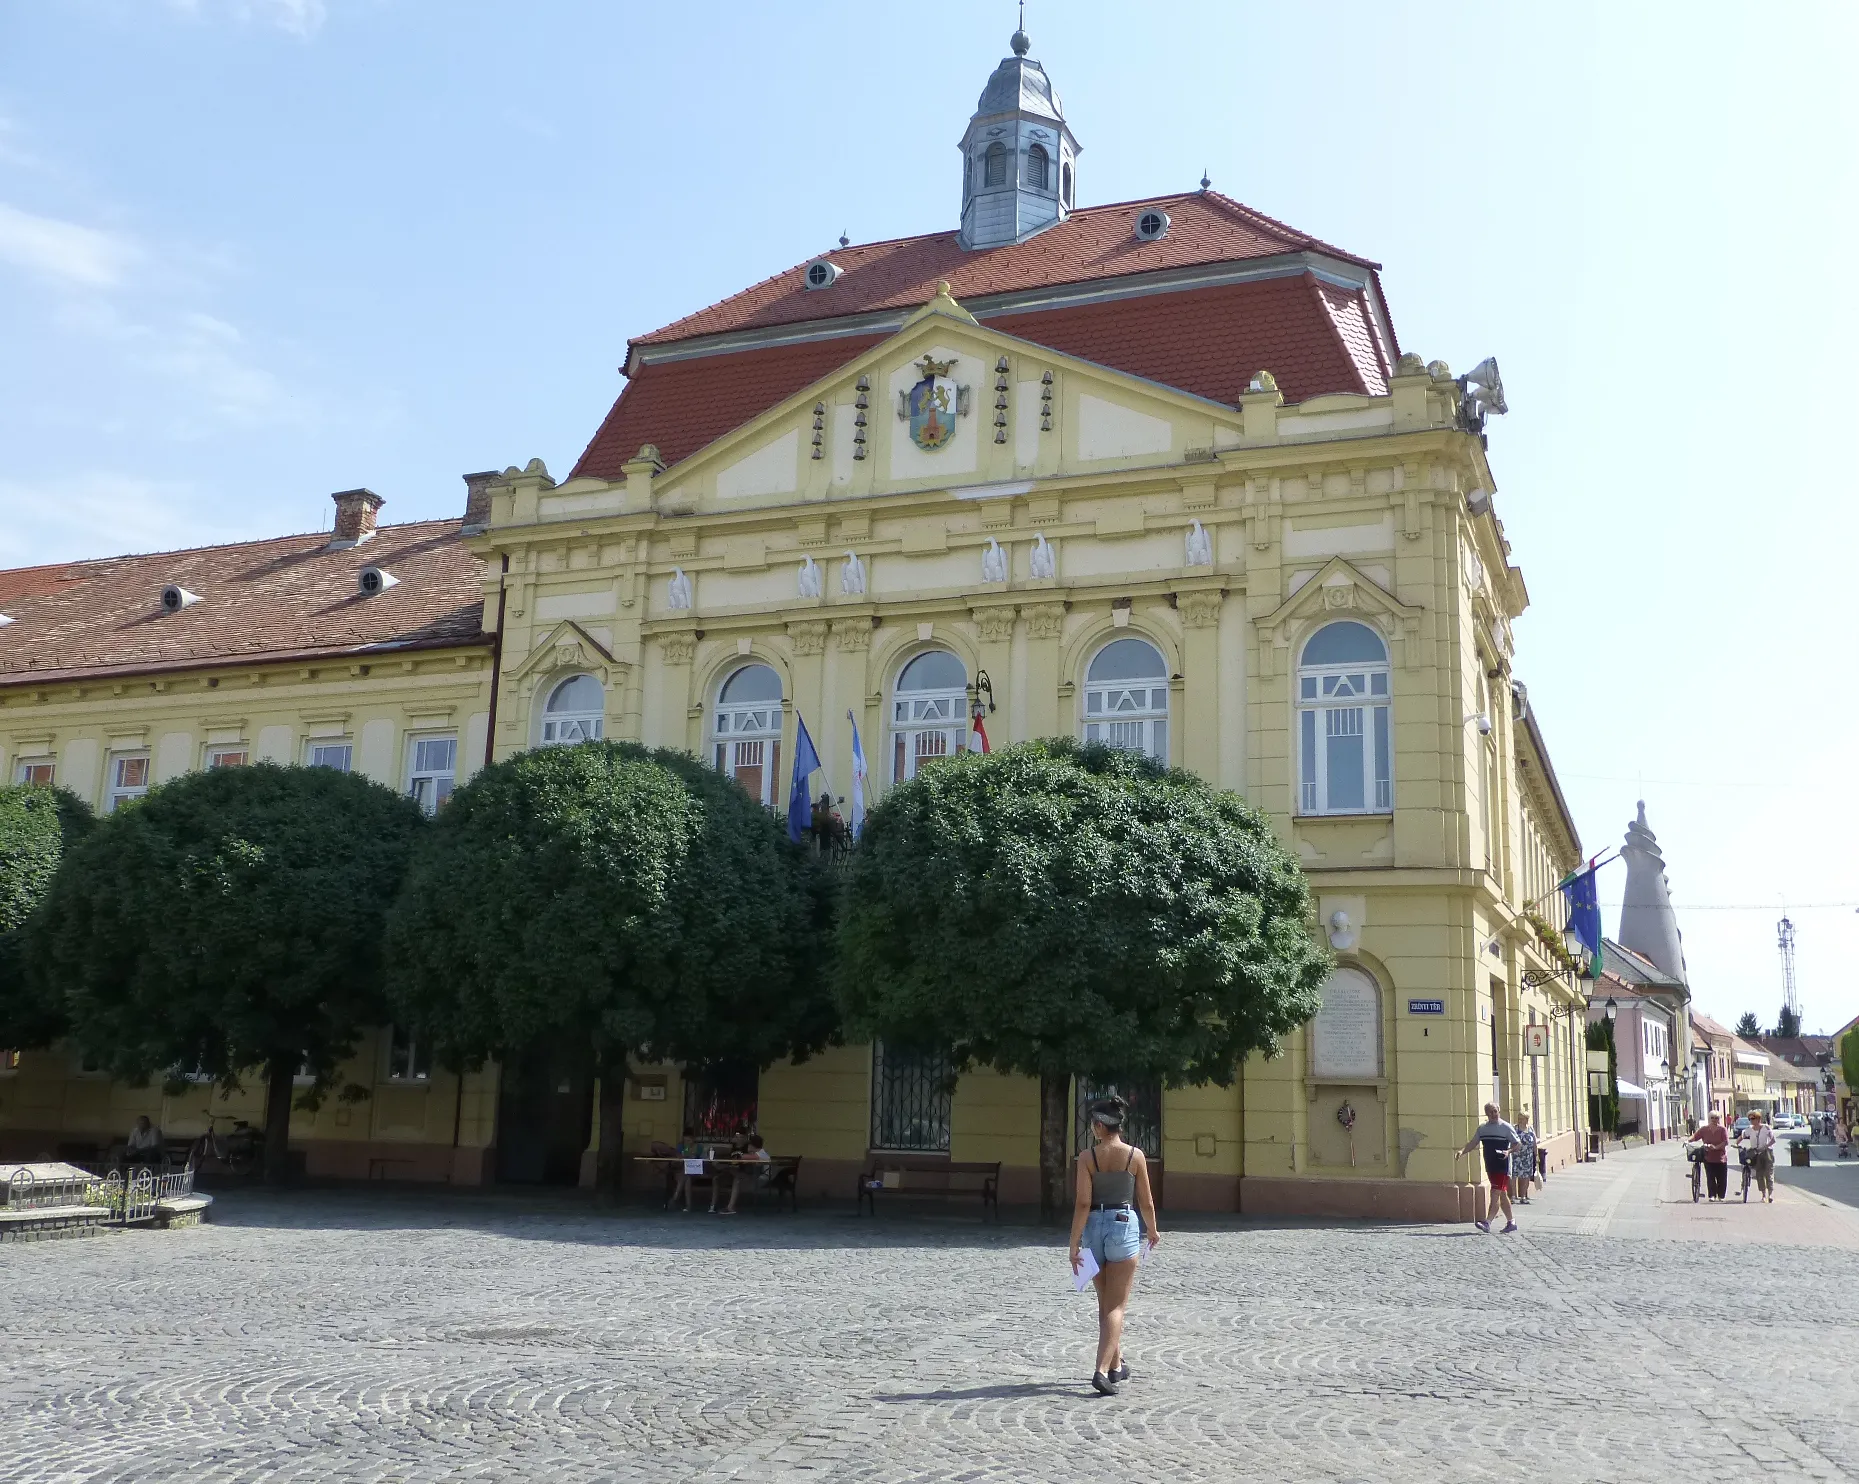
x=1741, y=1126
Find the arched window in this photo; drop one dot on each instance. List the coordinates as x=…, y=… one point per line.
x=1065, y=185
x=1126, y=698
x=1344, y=746
x=576, y=711
x=929, y=712
x=747, y=731
x=994, y=169
x=1039, y=168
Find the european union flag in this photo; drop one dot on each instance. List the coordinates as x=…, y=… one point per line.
x=1585, y=914
x=806, y=764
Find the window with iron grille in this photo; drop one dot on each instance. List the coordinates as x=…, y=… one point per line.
x=911, y=1095
x=1142, y=1125
x=720, y=1100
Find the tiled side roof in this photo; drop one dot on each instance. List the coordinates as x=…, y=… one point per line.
x=289, y=595
x=1095, y=242
x=1711, y=1028
x=1204, y=341
x=1637, y=968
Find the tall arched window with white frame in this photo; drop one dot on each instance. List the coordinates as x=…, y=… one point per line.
x=575, y=712
x=1039, y=168
x=929, y=712
x=746, y=735
x=1126, y=698
x=1345, y=745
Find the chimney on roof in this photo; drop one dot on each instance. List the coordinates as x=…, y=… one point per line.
x=478, y=499
x=355, y=511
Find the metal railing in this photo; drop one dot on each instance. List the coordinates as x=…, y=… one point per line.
x=131, y=1195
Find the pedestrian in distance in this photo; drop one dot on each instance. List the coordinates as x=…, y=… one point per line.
x=1498, y=1140
x=1523, y=1160
x=1716, y=1141
x=1757, y=1147
x=1113, y=1193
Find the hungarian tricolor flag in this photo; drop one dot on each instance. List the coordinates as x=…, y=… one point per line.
x=978, y=735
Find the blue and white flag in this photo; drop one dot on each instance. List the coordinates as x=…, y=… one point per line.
x=858, y=780
x=806, y=764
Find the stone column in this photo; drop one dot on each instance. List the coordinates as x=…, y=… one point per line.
x=851, y=648
x=1039, y=687
x=995, y=626
x=1200, y=673
x=808, y=638
x=666, y=727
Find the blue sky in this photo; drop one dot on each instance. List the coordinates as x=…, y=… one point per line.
x=252, y=251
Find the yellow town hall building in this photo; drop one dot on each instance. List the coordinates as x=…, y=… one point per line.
x=1156, y=473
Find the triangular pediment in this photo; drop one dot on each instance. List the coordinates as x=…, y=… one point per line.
x=1022, y=411
x=565, y=647
x=1340, y=589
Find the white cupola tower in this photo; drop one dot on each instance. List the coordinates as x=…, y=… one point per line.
x=1018, y=156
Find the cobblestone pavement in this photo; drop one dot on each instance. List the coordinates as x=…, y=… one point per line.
x=372, y=1336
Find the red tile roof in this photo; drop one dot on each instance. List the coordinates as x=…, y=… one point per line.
x=1314, y=337
x=288, y=596
x=1094, y=242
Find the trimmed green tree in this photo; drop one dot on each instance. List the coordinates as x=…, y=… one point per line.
x=606, y=896
x=228, y=922
x=1849, y=1061
x=37, y=826
x=1058, y=910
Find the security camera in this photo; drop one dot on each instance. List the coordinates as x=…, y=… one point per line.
x=1484, y=725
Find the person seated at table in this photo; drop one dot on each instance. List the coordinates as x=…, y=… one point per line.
x=144, y=1145
x=756, y=1166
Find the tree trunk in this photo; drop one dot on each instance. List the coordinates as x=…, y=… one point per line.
x=610, y=1162
x=1055, y=1119
x=279, y=1089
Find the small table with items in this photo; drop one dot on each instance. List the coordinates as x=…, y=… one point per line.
x=783, y=1171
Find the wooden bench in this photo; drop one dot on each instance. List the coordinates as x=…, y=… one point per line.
x=783, y=1178
x=920, y=1177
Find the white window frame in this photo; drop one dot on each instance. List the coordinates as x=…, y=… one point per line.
x=317, y=753
x=745, y=734
x=24, y=769
x=117, y=791
x=1127, y=715
x=431, y=786
x=405, y=1060
x=924, y=720
x=1322, y=713
x=566, y=728
x=222, y=755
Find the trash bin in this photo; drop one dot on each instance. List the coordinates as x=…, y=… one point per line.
x=1797, y=1152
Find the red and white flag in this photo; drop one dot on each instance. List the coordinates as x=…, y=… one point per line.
x=978, y=736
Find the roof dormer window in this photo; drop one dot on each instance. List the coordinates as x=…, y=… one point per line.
x=821, y=274
x=1152, y=225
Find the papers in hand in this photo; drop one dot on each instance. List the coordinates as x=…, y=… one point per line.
x=693, y=1167
x=1087, y=1270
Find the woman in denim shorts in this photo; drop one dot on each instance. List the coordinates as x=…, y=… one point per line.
x=1113, y=1190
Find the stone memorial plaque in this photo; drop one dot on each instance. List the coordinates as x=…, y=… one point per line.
x=1346, y=1035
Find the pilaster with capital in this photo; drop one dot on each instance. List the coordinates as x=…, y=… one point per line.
x=1045, y=627
x=1200, y=693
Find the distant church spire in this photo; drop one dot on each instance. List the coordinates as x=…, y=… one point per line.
x=1018, y=154
x=1647, y=923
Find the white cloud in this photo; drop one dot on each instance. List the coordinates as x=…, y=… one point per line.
x=299, y=17
x=99, y=514
x=64, y=252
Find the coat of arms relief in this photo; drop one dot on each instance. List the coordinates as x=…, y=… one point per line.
x=933, y=404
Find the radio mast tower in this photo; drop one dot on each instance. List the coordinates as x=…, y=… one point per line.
x=1784, y=938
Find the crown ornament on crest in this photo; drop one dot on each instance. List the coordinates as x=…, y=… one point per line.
x=930, y=366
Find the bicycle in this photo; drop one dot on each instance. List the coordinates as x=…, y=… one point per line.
x=1695, y=1153
x=237, y=1151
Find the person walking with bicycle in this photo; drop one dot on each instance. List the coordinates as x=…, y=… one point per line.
x=1757, y=1149
x=1716, y=1141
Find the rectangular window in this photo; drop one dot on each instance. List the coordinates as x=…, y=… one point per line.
x=432, y=772
x=720, y=1101
x=1345, y=760
x=409, y=1059
x=911, y=1096
x=37, y=774
x=9, y=1061
x=331, y=755
x=1142, y=1127
x=128, y=780
x=227, y=757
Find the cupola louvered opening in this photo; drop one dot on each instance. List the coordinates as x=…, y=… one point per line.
x=994, y=171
